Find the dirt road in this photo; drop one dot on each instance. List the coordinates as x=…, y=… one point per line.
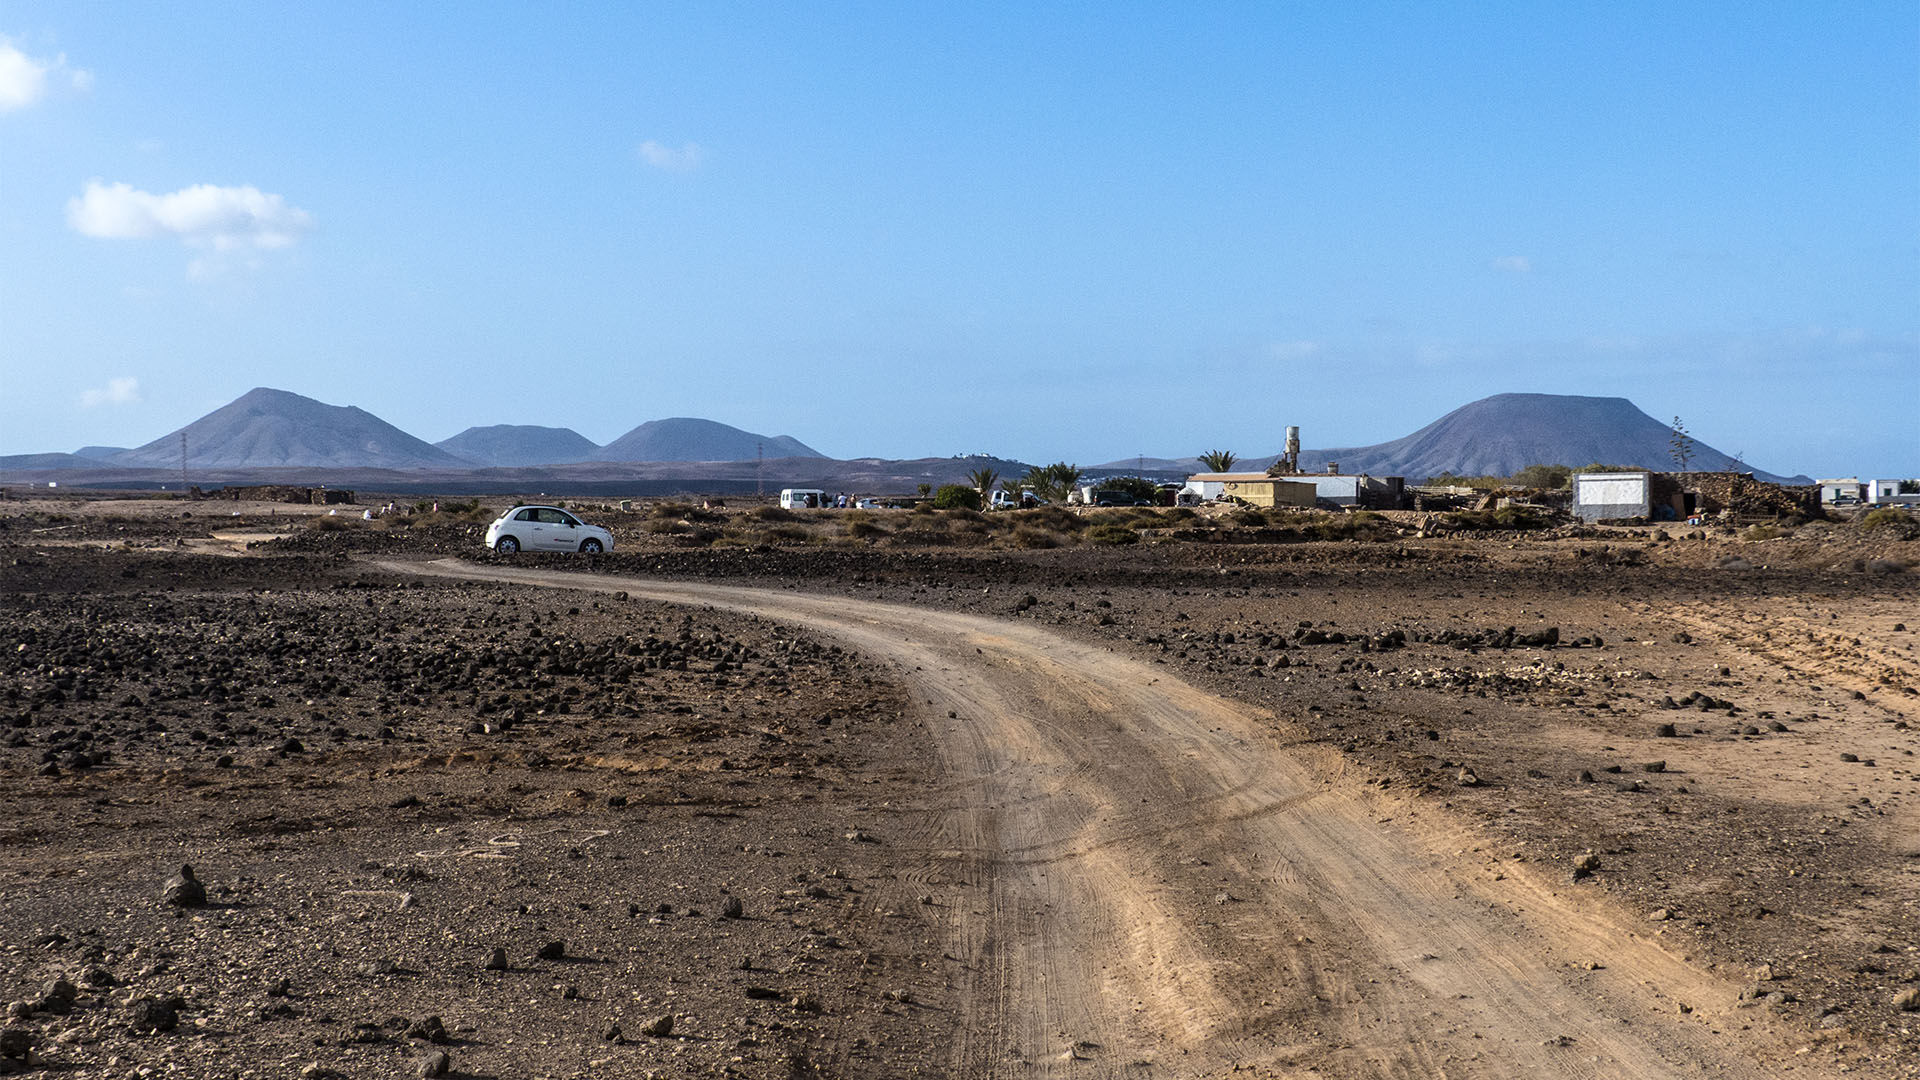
x=1142, y=879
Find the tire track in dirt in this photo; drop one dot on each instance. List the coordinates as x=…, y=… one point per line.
x=1162, y=887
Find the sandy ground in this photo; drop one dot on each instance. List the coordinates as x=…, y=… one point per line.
x=1170, y=810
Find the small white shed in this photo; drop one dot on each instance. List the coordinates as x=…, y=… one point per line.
x=1608, y=495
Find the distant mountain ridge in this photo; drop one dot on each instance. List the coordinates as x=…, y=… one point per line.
x=684, y=438
x=509, y=445
x=268, y=429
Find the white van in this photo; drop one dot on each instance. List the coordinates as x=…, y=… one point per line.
x=802, y=498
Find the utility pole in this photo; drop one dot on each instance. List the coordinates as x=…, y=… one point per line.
x=183, y=462
x=759, y=469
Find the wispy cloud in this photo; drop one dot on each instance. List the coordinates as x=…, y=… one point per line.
x=684, y=158
x=121, y=391
x=234, y=222
x=1514, y=264
x=24, y=79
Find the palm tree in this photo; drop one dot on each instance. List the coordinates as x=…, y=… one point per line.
x=1219, y=460
x=1053, y=482
x=983, y=481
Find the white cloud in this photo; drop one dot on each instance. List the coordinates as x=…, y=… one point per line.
x=1514, y=264
x=685, y=158
x=23, y=79
x=121, y=391
x=226, y=219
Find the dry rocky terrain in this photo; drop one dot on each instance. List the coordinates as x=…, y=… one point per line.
x=381, y=778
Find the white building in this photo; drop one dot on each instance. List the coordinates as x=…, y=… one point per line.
x=1610, y=495
x=1846, y=491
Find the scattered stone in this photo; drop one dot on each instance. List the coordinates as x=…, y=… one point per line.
x=496, y=961
x=16, y=1043
x=150, y=1016
x=437, y=1063
x=1653, y=766
x=58, y=991
x=659, y=1027
x=1666, y=731
x=1584, y=865
x=1467, y=778
x=732, y=908
x=552, y=950
x=184, y=890
x=99, y=977
x=431, y=1029
x=1908, y=1000
x=279, y=988
x=1660, y=915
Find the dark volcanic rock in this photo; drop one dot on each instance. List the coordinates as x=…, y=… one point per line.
x=184, y=890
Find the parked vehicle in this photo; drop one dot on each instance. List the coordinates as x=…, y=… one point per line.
x=802, y=498
x=1113, y=497
x=545, y=528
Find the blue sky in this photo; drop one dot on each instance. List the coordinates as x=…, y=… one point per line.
x=1074, y=231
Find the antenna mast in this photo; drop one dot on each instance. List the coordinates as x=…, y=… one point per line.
x=759, y=469
x=183, y=462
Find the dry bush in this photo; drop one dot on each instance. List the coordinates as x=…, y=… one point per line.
x=1756, y=533
x=665, y=526
x=772, y=513
x=864, y=530
x=1034, y=536
x=323, y=523
x=1248, y=517
x=672, y=510
x=1056, y=519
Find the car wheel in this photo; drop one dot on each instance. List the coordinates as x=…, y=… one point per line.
x=507, y=545
x=589, y=547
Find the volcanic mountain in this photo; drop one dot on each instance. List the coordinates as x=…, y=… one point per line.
x=520, y=444
x=684, y=438
x=266, y=428
x=1502, y=434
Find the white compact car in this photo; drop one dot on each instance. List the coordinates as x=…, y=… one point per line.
x=545, y=528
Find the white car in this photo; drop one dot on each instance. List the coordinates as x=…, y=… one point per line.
x=545, y=528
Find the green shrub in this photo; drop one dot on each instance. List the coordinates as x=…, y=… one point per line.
x=671, y=510
x=956, y=497
x=1112, y=534
x=1888, y=517
x=1518, y=517
x=1361, y=525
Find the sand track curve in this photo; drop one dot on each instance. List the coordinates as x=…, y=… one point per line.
x=1159, y=882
